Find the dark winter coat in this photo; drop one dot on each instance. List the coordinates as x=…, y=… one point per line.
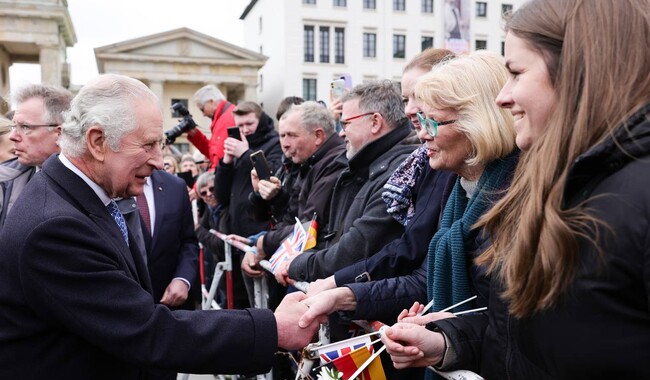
x=233, y=181
x=359, y=224
x=600, y=329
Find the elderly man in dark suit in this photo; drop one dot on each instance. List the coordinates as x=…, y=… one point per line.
x=75, y=295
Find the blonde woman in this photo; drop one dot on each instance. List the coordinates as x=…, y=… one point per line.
x=571, y=255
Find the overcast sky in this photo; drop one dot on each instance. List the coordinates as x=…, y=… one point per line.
x=104, y=22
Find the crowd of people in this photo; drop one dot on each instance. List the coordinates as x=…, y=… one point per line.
x=518, y=182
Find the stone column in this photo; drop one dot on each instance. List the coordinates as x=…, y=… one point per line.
x=250, y=92
x=51, y=61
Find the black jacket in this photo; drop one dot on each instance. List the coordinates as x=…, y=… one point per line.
x=233, y=181
x=359, y=224
x=311, y=193
x=600, y=329
x=404, y=255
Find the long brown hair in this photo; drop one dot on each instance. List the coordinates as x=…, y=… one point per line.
x=598, y=57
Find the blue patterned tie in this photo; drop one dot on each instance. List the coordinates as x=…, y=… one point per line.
x=119, y=219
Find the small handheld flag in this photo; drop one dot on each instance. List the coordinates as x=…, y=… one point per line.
x=291, y=246
x=311, y=234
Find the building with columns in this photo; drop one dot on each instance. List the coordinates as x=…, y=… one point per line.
x=176, y=63
x=35, y=31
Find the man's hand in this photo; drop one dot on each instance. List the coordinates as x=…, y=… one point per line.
x=235, y=148
x=336, y=108
x=250, y=265
x=326, y=303
x=319, y=286
x=175, y=294
x=255, y=180
x=269, y=189
x=282, y=272
x=290, y=335
x=411, y=345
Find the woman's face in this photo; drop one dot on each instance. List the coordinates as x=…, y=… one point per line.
x=207, y=194
x=169, y=166
x=450, y=148
x=528, y=93
x=411, y=106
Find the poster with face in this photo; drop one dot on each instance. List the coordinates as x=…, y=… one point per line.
x=457, y=23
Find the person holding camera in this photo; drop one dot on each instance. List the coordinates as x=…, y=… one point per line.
x=214, y=105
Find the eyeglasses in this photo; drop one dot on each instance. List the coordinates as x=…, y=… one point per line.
x=431, y=125
x=346, y=122
x=205, y=193
x=25, y=129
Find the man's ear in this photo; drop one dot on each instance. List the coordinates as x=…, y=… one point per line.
x=377, y=123
x=96, y=141
x=320, y=136
x=57, y=130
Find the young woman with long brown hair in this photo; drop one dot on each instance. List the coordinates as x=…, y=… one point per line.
x=570, y=258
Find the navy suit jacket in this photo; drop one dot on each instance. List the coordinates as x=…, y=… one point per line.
x=75, y=301
x=173, y=251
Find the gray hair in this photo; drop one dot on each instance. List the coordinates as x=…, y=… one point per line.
x=382, y=96
x=56, y=100
x=312, y=116
x=109, y=101
x=206, y=93
x=204, y=179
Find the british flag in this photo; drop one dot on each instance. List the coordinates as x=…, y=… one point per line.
x=335, y=350
x=290, y=247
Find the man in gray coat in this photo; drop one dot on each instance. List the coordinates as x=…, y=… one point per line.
x=36, y=128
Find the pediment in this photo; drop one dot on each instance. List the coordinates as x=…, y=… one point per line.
x=180, y=45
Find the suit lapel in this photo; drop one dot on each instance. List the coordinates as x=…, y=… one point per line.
x=82, y=197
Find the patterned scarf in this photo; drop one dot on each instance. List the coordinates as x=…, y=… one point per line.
x=398, y=193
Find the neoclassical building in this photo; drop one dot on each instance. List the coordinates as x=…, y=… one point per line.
x=176, y=63
x=38, y=31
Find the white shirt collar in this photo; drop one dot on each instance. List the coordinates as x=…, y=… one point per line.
x=101, y=193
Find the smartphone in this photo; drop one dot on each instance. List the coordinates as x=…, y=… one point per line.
x=261, y=165
x=348, y=81
x=234, y=133
x=337, y=88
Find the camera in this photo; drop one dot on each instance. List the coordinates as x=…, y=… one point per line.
x=185, y=124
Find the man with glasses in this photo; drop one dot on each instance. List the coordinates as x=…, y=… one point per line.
x=35, y=129
x=213, y=105
x=375, y=128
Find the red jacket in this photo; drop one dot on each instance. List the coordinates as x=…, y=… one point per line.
x=213, y=149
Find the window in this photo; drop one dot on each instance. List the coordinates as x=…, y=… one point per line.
x=261, y=82
x=340, y=3
x=324, y=44
x=339, y=45
x=503, y=48
x=369, y=4
x=427, y=42
x=308, y=36
x=399, y=46
x=480, y=45
x=309, y=1
x=260, y=26
x=183, y=102
x=261, y=50
x=481, y=9
x=427, y=6
x=369, y=45
x=309, y=89
x=399, y=5
x=506, y=8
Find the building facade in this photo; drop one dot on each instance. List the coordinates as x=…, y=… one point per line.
x=37, y=31
x=311, y=42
